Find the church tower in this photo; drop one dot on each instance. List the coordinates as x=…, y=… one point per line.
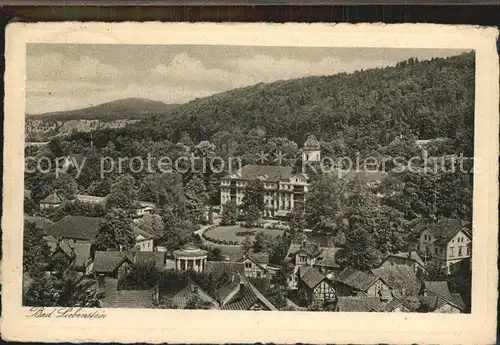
x=311, y=151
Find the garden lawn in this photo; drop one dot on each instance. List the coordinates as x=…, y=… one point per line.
x=236, y=233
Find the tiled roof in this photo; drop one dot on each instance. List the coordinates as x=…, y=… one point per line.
x=445, y=229
x=435, y=302
x=82, y=254
x=41, y=223
x=108, y=261
x=224, y=267
x=189, y=291
x=308, y=248
x=138, y=232
x=156, y=257
x=76, y=227
x=225, y=290
x=53, y=198
x=458, y=301
x=413, y=255
x=266, y=172
x=261, y=257
x=438, y=288
x=359, y=304
x=246, y=296
x=399, y=277
x=134, y=299
x=357, y=279
x=66, y=249
x=310, y=276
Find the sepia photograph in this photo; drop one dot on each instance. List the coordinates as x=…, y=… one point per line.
x=248, y=177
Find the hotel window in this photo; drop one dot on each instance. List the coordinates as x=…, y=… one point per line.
x=460, y=251
x=435, y=251
x=468, y=250
x=248, y=265
x=452, y=251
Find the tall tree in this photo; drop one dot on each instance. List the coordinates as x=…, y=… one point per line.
x=229, y=213
x=253, y=202
x=36, y=252
x=116, y=231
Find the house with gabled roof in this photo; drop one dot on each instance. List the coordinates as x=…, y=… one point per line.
x=438, y=304
x=240, y=294
x=317, y=287
x=111, y=264
x=410, y=258
x=144, y=241
x=352, y=282
x=435, y=296
x=311, y=254
x=256, y=264
x=191, y=292
x=40, y=223
x=400, y=278
x=112, y=297
x=76, y=229
x=52, y=200
x=448, y=242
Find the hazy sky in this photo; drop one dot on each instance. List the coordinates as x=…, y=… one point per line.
x=72, y=76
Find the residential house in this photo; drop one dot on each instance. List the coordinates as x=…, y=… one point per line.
x=256, y=265
x=447, y=242
x=240, y=294
x=144, y=241
x=411, y=259
x=359, y=304
x=51, y=201
x=400, y=305
x=144, y=207
x=191, y=292
x=114, y=298
x=435, y=296
x=40, y=223
x=77, y=256
x=311, y=254
x=318, y=288
x=352, y=282
x=401, y=279
x=438, y=304
x=282, y=188
x=111, y=264
x=76, y=229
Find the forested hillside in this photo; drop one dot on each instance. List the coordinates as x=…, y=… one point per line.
x=364, y=110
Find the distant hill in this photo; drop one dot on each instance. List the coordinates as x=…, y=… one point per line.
x=124, y=109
